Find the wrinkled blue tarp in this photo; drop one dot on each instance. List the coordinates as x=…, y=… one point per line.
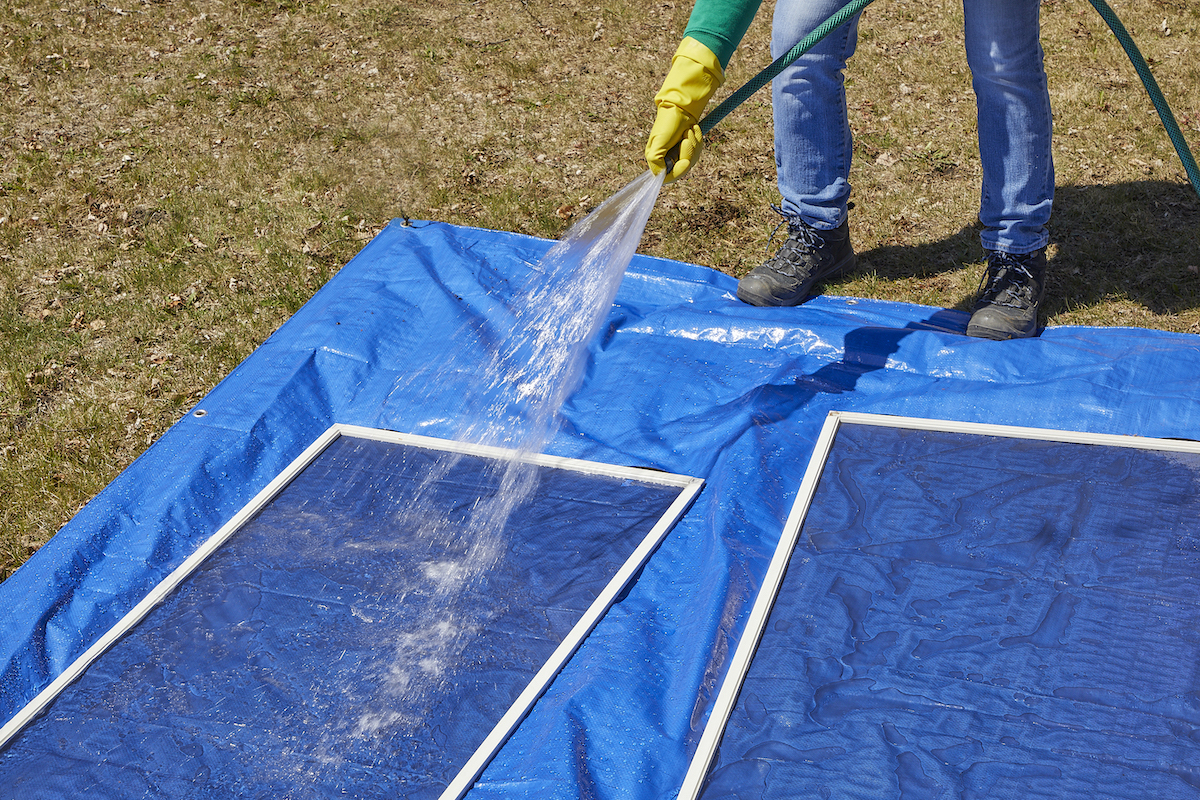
x=684, y=378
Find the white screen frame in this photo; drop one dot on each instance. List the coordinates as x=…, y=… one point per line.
x=688, y=487
x=739, y=664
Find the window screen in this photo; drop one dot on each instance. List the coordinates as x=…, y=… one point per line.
x=973, y=613
x=339, y=644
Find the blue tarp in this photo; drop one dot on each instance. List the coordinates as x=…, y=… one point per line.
x=683, y=378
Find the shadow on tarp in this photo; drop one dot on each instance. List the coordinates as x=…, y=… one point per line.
x=864, y=350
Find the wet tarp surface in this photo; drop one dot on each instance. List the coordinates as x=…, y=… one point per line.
x=683, y=378
x=978, y=616
x=360, y=636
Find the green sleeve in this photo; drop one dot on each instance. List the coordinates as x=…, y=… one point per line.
x=720, y=25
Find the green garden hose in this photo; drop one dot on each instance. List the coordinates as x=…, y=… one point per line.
x=1156, y=95
x=855, y=6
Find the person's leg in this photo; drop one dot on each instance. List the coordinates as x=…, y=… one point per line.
x=812, y=157
x=812, y=134
x=1005, y=55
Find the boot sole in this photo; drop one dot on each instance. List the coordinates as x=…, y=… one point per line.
x=766, y=300
x=981, y=330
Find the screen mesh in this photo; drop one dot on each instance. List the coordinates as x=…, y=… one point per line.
x=341, y=643
x=979, y=616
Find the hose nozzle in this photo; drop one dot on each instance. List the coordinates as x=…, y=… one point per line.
x=672, y=157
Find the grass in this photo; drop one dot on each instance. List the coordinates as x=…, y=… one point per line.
x=176, y=179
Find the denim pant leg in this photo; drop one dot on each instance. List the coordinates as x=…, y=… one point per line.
x=1005, y=55
x=812, y=133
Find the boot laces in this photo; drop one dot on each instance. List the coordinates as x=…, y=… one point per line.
x=797, y=251
x=1009, y=282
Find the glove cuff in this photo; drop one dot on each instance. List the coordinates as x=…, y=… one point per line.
x=694, y=78
x=698, y=51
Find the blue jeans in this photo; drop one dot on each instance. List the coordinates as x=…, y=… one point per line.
x=812, y=135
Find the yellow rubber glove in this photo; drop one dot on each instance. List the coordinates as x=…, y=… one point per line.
x=694, y=78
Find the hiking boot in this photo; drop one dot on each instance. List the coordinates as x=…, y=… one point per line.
x=1007, y=308
x=808, y=257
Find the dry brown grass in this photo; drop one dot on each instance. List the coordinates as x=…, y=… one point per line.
x=177, y=178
